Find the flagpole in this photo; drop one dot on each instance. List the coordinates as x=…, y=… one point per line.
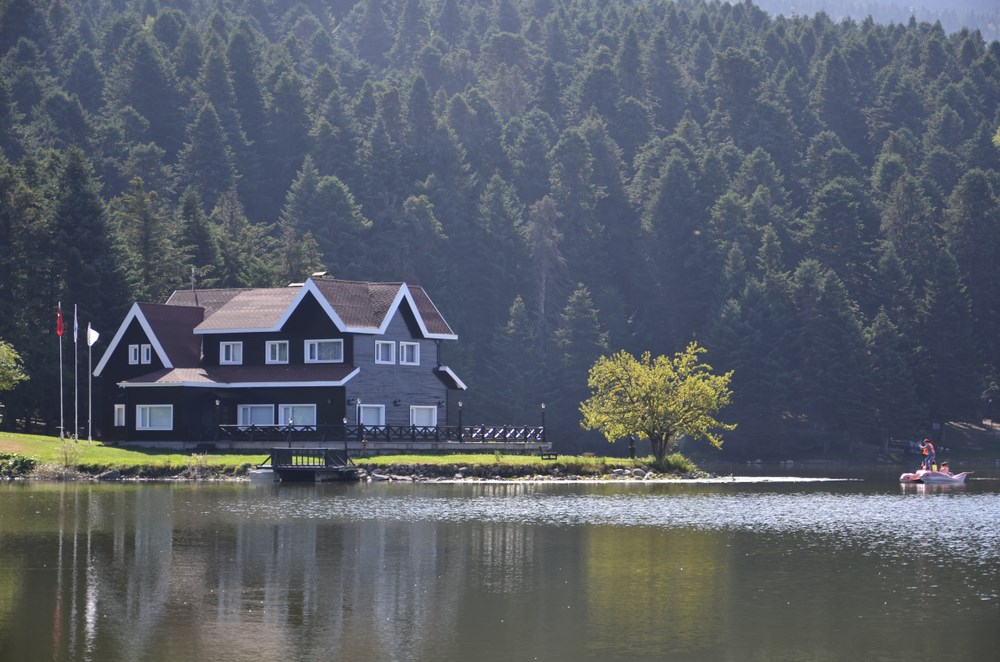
x=90, y=387
x=62, y=398
x=76, y=373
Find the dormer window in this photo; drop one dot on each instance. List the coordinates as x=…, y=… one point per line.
x=230, y=353
x=277, y=351
x=385, y=351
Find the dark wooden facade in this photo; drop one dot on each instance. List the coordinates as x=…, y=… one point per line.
x=181, y=390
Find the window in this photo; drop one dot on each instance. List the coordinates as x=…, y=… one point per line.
x=324, y=351
x=277, y=351
x=385, y=351
x=147, y=354
x=231, y=353
x=119, y=416
x=372, y=415
x=409, y=353
x=154, y=417
x=423, y=416
x=133, y=355
x=297, y=414
x=255, y=415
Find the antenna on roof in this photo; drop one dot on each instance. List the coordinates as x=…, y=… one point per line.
x=193, y=288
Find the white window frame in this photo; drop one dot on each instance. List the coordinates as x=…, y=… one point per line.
x=245, y=419
x=378, y=408
x=313, y=346
x=133, y=355
x=147, y=354
x=272, y=354
x=119, y=416
x=392, y=353
x=415, y=346
x=142, y=417
x=286, y=409
x=234, y=347
x=431, y=408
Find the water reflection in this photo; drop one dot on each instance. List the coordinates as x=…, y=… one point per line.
x=494, y=571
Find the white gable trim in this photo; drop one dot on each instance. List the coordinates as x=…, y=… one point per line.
x=451, y=373
x=309, y=287
x=404, y=294
x=321, y=384
x=135, y=313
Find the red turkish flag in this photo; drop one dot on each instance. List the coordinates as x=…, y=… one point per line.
x=59, y=324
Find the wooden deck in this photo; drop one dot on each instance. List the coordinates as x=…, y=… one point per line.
x=313, y=465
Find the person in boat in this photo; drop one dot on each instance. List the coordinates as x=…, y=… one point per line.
x=927, y=448
x=944, y=468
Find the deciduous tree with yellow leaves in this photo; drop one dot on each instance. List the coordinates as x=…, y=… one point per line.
x=662, y=399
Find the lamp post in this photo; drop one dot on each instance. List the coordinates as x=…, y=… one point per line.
x=543, y=422
x=460, y=420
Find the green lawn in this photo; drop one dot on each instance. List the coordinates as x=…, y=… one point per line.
x=96, y=457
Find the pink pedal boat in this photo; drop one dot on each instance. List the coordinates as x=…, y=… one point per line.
x=936, y=477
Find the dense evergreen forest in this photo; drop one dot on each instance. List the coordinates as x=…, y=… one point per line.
x=981, y=15
x=816, y=202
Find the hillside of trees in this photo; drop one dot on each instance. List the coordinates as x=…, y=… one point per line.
x=816, y=202
x=981, y=15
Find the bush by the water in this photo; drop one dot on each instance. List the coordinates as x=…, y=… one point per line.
x=13, y=465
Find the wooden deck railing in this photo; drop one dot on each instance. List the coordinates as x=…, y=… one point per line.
x=377, y=433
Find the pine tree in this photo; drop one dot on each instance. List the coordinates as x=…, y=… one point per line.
x=207, y=159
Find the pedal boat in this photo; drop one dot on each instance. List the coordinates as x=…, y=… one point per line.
x=935, y=477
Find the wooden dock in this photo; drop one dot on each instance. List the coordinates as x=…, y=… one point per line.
x=312, y=465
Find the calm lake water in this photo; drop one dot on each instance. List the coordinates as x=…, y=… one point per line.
x=845, y=570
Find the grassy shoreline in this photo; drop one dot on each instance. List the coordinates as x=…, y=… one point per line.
x=55, y=458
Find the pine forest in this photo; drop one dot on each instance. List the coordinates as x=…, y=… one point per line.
x=814, y=200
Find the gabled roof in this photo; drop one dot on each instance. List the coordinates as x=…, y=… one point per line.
x=169, y=330
x=353, y=307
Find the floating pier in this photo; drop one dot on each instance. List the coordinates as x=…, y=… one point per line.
x=311, y=465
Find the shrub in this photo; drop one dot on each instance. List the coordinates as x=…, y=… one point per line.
x=14, y=464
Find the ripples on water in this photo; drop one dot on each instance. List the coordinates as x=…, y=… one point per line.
x=948, y=523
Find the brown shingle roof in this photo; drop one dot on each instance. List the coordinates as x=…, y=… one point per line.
x=236, y=375
x=172, y=327
x=359, y=305
x=258, y=309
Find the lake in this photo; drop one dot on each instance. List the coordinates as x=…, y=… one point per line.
x=764, y=570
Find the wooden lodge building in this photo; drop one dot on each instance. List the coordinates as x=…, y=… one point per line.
x=327, y=362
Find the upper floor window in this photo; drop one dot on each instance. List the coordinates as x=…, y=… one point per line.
x=140, y=354
x=231, y=353
x=324, y=351
x=147, y=354
x=409, y=353
x=385, y=351
x=277, y=351
x=133, y=355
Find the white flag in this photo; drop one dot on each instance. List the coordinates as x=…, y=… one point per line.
x=92, y=336
x=76, y=327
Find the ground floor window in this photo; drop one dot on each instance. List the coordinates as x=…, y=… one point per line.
x=119, y=416
x=255, y=415
x=297, y=414
x=154, y=417
x=423, y=417
x=372, y=415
